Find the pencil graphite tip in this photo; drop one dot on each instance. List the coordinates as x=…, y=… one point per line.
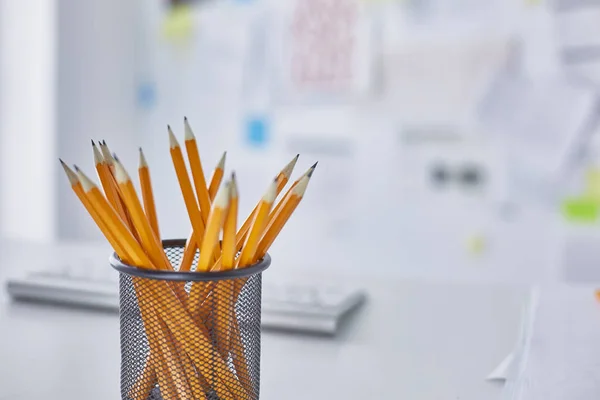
x=289, y=168
x=142, y=163
x=93, y=143
x=98, y=158
x=172, y=139
x=106, y=153
x=233, y=190
x=76, y=168
x=221, y=164
x=114, y=156
x=189, y=134
x=120, y=174
x=311, y=170
x=71, y=176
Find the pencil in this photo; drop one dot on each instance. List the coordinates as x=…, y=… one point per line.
x=284, y=213
x=225, y=289
x=150, y=243
x=257, y=227
x=99, y=212
x=186, y=190
x=211, y=237
x=108, y=158
x=190, y=339
x=213, y=228
x=147, y=193
x=217, y=177
x=229, y=231
x=107, y=181
x=194, y=341
x=192, y=244
x=197, y=172
x=279, y=204
x=282, y=179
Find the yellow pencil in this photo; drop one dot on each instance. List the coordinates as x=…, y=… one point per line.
x=147, y=193
x=217, y=177
x=186, y=190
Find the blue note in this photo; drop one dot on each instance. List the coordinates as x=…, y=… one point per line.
x=257, y=131
x=146, y=95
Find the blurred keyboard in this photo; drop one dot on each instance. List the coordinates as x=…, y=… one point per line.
x=304, y=308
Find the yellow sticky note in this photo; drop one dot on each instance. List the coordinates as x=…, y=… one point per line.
x=476, y=244
x=592, y=181
x=178, y=24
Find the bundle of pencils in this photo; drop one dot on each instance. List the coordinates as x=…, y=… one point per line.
x=190, y=356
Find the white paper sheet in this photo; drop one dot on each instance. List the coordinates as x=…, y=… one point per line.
x=501, y=372
x=561, y=357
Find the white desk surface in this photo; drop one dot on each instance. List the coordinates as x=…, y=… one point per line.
x=413, y=340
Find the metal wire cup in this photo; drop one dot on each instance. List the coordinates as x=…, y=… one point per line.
x=190, y=335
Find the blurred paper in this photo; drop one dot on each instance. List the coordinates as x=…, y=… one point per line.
x=501, y=372
x=579, y=27
x=322, y=48
x=561, y=356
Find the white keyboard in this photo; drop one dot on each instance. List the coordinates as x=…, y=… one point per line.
x=311, y=308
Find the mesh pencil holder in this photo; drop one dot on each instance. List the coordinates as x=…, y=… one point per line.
x=190, y=335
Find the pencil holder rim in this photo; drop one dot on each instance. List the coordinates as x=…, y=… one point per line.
x=187, y=276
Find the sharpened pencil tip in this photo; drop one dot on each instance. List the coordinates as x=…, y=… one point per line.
x=71, y=176
x=120, y=174
x=188, y=133
x=289, y=168
x=221, y=164
x=142, y=161
x=185, y=118
x=93, y=143
x=115, y=157
x=172, y=139
x=86, y=182
x=314, y=165
x=300, y=188
x=76, y=168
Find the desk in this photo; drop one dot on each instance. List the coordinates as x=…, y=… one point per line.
x=413, y=340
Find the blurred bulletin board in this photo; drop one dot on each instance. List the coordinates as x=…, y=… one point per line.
x=321, y=50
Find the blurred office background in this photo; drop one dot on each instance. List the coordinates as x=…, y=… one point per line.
x=455, y=138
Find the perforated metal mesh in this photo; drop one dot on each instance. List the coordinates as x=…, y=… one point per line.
x=174, y=347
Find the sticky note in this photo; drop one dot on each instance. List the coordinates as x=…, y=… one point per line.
x=146, y=95
x=580, y=209
x=476, y=244
x=178, y=23
x=257, y=131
